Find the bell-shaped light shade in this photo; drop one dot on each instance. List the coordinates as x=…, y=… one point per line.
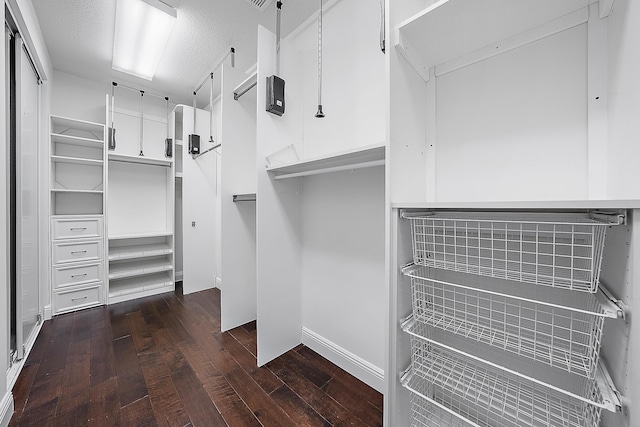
x=141, y=34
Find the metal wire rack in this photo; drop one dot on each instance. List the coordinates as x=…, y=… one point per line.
x=564, y=336
x=487, y=394
x=561, y=251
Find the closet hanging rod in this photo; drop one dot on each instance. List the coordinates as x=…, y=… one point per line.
x=195, y=156
x=146, y=92
x=140, y=163
x=231, y=52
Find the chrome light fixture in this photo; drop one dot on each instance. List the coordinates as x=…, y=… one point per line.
x=141, y=34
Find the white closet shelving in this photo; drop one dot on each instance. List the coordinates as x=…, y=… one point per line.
x=510, y=289
x=494, y=297
x=76, y=209
x=140, y=193
x=357, y=158
x=320, y=194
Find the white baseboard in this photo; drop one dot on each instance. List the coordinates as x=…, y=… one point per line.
x=47, y=313
x=366, y=372
x=6, y=409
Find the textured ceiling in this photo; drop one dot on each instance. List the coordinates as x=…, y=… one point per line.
x=79, y=37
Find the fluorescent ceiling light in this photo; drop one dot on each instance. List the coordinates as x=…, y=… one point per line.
x=142, y=31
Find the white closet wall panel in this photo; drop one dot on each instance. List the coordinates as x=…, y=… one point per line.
x=353, y=77
x=539, y=142
x=624, y=100
x=178, y=233
x=199, y=193
x=238, y=234
x=138, y=198
x=279, y=223
x=343, y=292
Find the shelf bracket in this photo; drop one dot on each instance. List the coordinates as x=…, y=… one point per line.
x=411, y=55
x=610, y=217
x=620, y=306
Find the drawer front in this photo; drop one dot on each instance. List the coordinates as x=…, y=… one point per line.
x=77, y=251
x=76, y=275
x=77, y=228
x=75, y=299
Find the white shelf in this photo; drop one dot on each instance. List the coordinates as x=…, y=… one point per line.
x=368, y=156
x=82, y=125
x=76, y=140
x=139, y=251
x=138, y=268
x=127, y=289
x=76, y=160
x=139, y=159
x=451, y=29
x=140, y=235
x=68, y=191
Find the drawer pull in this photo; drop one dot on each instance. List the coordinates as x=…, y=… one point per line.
x=78, y=228
x=73, y=276
x=79, y=298
x=78, y=252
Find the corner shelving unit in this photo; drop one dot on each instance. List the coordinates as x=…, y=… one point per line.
x=77, y=201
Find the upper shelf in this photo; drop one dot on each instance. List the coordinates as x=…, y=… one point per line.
x=362, y=157
x=76, y=140
x=451, y=29
x=139, y=159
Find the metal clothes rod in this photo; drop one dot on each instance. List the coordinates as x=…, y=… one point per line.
x=237, y=96
x=231, y=52
x=146, y=92
x=140, y=163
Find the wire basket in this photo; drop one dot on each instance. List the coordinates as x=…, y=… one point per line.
x=558, y=251
x=489, y=396
x=564, y=336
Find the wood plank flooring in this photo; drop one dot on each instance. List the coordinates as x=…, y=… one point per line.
x=162, y=361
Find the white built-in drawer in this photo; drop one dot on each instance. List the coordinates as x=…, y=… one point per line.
x=64, y=228
x=76, y=275
x=78, y=298
x=77, y=251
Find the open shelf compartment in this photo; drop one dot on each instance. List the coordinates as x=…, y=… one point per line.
x=486, y=395
x=558, y=250
x=450, y=29
x=562, y=329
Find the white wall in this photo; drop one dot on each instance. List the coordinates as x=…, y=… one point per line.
x=199, y=205
x=624, y=101
x=343, y=287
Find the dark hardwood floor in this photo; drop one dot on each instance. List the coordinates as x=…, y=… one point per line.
x=163, y=361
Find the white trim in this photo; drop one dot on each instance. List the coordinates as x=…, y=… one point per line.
x=47, y=312
x=179, y=275
x=597, y=109
x=6, y=409
x=358, y=367
x=218, y=283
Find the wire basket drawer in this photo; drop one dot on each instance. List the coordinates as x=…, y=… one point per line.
x=489, y=396
x=564, y=336
x=542, y=249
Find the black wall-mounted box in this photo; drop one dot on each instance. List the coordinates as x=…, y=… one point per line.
x=194, y=144
x=275, y=95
